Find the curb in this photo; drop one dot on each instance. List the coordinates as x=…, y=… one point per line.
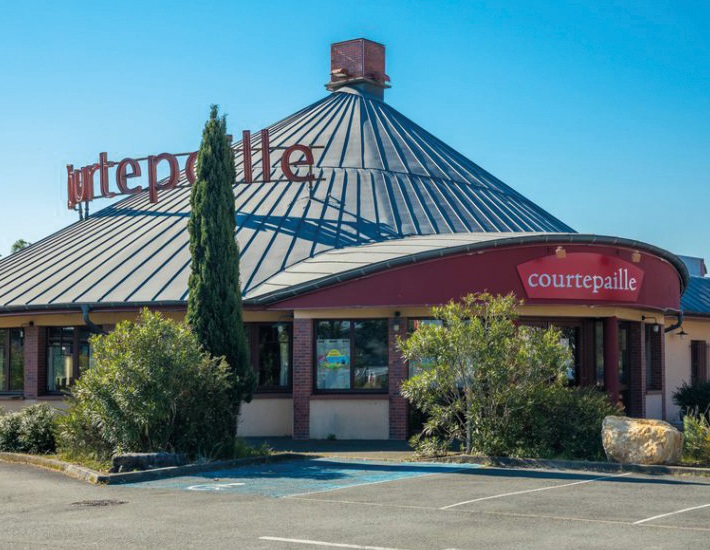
x=91, y=476
x=540, y=463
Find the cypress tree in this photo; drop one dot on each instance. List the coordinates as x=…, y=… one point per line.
x=214, y=307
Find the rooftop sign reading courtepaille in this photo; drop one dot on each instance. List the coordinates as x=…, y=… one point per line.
x=581, y=276
x=81, y=182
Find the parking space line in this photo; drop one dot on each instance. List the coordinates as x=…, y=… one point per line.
x=671, y=514
x=363, y=503
x=328, y=544
x=532, y=490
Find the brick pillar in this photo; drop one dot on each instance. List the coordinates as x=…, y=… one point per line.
x=637, y=370
x=302, y=377
x=662, y=366
x=398, y=408
x=611, y=358
x=35, y=350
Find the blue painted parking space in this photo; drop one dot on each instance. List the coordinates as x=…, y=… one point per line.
x=301, y=476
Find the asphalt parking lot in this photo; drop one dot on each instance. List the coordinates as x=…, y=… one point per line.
x=337, y=503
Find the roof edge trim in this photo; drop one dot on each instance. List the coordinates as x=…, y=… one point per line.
x=552, y=238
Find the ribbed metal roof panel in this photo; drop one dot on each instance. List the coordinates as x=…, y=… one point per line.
x=379, y=177
x=696, y=299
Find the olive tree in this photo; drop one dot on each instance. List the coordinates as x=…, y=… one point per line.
x=478, y=364
x=151, y=388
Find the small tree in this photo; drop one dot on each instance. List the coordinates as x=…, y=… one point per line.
x=18, y=245
x=214, y=309
x=151, y=388
x=480, y=360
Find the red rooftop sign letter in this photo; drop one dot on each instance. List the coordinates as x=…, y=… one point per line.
x=581, y=276
x=81, y=183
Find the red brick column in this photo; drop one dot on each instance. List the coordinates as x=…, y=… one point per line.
x=637, y=370
x=35, y=350
x=302, y=377
x=398, y=408
x=611, y=358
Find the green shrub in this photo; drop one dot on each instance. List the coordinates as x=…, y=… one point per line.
x=559, y=422
x=478, y=363
x=10, y=432
x=151, y=389
x=696, y=439
x=29, y=430
x=693, y=399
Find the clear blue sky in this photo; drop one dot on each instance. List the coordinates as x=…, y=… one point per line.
x=598, y=111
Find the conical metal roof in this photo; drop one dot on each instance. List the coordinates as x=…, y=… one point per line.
x=379, y=177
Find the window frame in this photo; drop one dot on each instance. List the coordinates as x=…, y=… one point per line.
x=252, y=330
x=352, y=390
x=76, y=342
x=6, y=388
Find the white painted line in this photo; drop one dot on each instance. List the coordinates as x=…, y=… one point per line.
x=329, y=544
x=532, y=490
x=671, y=514
x=213, y=486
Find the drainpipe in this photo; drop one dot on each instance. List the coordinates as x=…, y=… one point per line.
x=675, y=325
x=93, y=328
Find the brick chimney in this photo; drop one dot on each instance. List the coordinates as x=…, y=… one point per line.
x=358, y=64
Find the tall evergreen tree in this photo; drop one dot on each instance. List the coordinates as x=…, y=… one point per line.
x=214, y=307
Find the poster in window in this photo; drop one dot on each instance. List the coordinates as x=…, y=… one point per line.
x=333, y=363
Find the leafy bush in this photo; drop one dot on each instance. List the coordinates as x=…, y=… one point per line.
x=696, y=438
x=559, y=422
x=10, y=432
x=693, y=399
x=29, y=430
x=151, y=389
x=481, y=362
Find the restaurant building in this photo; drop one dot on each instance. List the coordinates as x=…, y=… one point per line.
x=352, y=222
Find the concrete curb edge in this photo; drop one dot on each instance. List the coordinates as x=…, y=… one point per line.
x=92, y=476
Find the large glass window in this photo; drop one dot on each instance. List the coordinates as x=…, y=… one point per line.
x=68, y=353
x=12, y=360
x=271, y=355
x=352, y=355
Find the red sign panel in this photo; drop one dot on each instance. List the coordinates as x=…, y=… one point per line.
x=581, y=276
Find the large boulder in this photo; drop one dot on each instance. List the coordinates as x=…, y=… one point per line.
x=641, y=441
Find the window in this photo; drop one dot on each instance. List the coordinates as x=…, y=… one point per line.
x=623, y=360
x=271, y=355
x=698, y=361
x=12, y=360
x=352, y=355
x=68, y=353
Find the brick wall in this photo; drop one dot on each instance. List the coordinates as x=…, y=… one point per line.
x=398, y=410
x=35, y=349
x=302, y=377
x=637, y=371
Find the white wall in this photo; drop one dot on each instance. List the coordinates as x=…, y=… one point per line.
x=266, y=417
x=350, y=419
x=678, y=360
x=654, y=405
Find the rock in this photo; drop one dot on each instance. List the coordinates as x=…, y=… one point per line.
x=145, y=461
x=641, y=441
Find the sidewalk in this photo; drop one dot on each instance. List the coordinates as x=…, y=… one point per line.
x=354, y=448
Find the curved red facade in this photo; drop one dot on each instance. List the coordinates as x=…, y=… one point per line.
x=657, y=282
